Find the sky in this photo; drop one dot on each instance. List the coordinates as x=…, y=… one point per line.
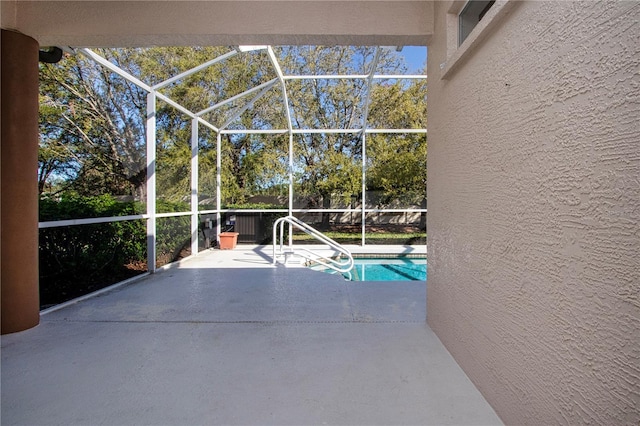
x=415, y=57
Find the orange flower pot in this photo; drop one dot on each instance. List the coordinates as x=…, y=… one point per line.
x=228, y=240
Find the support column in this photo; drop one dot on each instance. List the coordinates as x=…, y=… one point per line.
x=19, y=183
x=363, y=225
x=195, y=220
x=151, y=182
x=218, y=185
x=290, y=212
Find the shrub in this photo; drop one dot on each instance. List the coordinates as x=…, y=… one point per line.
x=75, y=260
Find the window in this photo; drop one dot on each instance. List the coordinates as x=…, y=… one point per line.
x=468, y=24
x=471, y=14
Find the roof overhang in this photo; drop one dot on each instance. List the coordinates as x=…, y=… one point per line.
x=192, y=23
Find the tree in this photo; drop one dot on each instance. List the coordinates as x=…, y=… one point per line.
x=397, y=162
x=246, y=158
x=92, y=128
x=93, y=124
x=329, y=164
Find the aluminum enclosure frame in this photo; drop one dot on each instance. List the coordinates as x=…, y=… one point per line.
x=154, y=94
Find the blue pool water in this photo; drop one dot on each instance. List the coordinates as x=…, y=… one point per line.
x=377, y=269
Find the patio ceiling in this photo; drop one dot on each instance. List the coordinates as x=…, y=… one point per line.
x=217, y=23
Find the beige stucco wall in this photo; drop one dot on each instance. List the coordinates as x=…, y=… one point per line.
x=534, y=211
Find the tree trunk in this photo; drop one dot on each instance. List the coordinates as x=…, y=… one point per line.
x=423, y=216
x=326, y=217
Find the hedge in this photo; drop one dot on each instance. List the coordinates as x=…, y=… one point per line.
x=76, y=260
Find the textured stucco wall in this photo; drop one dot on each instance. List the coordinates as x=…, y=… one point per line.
x=534, y=211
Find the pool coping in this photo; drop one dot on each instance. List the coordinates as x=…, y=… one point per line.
x=310, y=263
x=389, y=255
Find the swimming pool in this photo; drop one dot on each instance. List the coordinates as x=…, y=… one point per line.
x=386, y=269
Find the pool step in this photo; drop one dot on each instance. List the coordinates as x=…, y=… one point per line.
x=292, y=259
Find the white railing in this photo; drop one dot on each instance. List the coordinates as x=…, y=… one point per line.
x=336, y=263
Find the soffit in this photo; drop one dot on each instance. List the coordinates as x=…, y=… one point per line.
x=190, y=23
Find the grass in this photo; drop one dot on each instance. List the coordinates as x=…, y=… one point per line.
x=378, y=237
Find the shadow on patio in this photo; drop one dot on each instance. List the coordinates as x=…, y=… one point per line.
x=226, y=338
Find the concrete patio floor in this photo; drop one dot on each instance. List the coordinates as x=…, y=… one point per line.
x=227, y=338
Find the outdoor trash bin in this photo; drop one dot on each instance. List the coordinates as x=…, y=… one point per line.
x=228, y=240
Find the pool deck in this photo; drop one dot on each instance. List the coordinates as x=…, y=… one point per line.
x=225, y=337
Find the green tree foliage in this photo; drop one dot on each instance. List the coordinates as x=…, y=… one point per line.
x=75, y=260
x=92, y=129
x=93, y=133
x=328, y=164
x=397, y=163
x=253, y=165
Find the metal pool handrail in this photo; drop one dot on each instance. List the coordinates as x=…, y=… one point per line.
x=337, y=264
